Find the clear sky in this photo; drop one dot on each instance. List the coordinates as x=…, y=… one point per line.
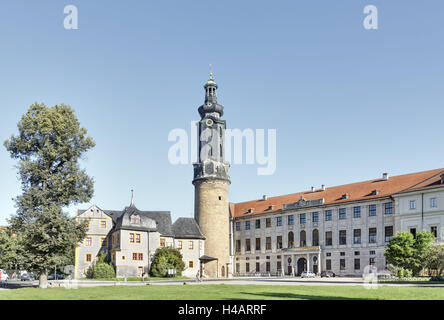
x=348, y=104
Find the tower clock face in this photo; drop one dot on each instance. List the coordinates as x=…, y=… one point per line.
x=208, y=103
x=209, y=122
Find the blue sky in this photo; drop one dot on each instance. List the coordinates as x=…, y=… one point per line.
x=348, y=104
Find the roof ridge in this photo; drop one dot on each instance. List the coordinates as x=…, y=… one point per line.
x=418, y=183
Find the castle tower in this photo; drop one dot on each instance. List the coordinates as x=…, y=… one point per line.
x=211, y=181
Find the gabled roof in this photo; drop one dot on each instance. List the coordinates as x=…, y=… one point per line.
x=359, y=191
x=187, y=228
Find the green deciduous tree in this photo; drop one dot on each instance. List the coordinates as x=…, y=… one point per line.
x=48, y=147
x=10, y=251
x=408, y=252
x=435, y=258
x=164, y=259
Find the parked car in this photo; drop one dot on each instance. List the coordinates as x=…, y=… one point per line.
x=307, y=274
x=328, y=274
x=3, y=276
x=55, y=277
x=27, y=277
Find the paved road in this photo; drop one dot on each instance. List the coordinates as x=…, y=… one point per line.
x=338, y=281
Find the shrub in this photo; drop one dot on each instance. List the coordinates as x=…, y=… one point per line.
x=401, y=273
x=101, y=270
x=437, y=278
x=164, y=259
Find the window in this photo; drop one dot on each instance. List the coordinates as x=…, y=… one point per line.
x=328, y=264
x=372, y=261
x=342, y=237
x=135, y=220
x=372, y=210
x=303, y=239
x=258, y=244
x=356, y=212
x=357, y=236
x=290, y=220
x=247, y=245
x=238, y=245
x=88, y=242
x=434, y=231
x=140, y=256
x=267, y=266
x=134, y=256
x=279, y=266
x=247, y=225
x=279, y=221
x=258, y=267
x=315, y=237
x=357, y=253
x=342, y=254
x=268, y=243
x=237, y=267
x=412, y=204
x=258, y=223
x=103, y=224
x=328, y=254
x=191, y=245
x=388, y=208
x=413, y=231
x=372, y=252
x=162, y=242
x=237, y=226
x=179, y=244
x=247, y=267
x=88, y=257
x=103, y=241
x=328, y=215
x=433, y=203
x=190, y=264
x=342, y=264
x=357, y=264
x=279, y=242
x=328, y=238
x=137, y=237
x=372, y=235
x=268, y=222
x=315, y=216
x=388, y=233
x=342, y=213
x=302, y=218
x=132, y=239
x=290, y=239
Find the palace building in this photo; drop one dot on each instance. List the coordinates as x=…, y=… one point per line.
x=342, y=228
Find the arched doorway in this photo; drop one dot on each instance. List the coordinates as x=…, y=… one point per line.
x=223, y=271
x=302, y=266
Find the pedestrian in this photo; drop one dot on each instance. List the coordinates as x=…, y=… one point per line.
x=197, y=276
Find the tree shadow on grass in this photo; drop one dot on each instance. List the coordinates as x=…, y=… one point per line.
x=284, y=295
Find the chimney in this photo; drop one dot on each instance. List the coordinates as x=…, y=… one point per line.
x=312, y=189
x=323, y=187
x=385, y=176
x=264, y=197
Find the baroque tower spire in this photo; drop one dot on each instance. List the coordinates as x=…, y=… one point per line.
x=211, y=181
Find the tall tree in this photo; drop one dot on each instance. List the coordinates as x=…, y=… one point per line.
x=48, y=147
x=10, y=251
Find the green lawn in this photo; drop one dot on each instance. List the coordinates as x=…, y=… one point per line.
x=138, y=279
x=222, y=291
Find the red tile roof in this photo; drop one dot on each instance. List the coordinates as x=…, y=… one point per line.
x=335, y=195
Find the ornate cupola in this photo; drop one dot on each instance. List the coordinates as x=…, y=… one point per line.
x=210, y=106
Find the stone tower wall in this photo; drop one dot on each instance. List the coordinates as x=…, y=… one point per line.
x=211, y=213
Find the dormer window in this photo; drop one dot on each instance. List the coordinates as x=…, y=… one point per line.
x=135, y=220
